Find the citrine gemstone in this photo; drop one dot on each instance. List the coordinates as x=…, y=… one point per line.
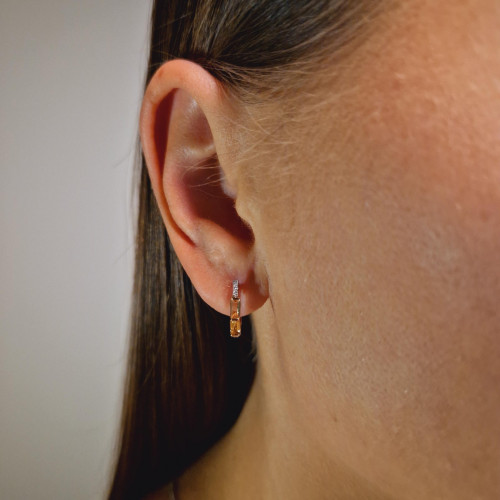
x=235, y=320
x=235, y=327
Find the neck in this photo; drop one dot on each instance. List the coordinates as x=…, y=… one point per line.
x=267, y=454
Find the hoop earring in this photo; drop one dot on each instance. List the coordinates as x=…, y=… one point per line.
x=234, y=312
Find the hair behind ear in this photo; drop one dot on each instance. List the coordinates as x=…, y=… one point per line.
x=187, y=379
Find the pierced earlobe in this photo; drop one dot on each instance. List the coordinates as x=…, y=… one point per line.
x=234, y=312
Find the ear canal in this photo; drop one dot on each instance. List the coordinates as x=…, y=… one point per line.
x=205, y=184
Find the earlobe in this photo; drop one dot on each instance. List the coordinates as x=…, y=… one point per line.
x=181, y=119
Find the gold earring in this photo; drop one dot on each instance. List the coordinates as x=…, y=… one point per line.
x=234, y=312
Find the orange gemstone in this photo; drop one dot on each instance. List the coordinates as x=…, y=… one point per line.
x=235, y=329
x=235, y=320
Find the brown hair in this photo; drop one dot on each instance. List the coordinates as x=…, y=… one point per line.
x=187, y=380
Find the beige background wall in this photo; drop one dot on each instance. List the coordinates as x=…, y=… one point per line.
x=70, y=83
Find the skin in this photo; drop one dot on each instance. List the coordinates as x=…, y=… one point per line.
x=370, y=261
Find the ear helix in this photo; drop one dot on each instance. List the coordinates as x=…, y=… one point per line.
x=234, y=312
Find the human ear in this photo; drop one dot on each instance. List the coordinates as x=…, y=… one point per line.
x=183, y=129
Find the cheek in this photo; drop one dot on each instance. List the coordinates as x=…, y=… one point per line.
x=395, y=285
x=394, y=299
x=428, y=206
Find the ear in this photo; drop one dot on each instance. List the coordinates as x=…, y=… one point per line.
x=184, y=129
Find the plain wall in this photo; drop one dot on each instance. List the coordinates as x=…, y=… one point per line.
x=71, y=74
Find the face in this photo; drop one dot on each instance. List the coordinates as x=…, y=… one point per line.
x=382, y=243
